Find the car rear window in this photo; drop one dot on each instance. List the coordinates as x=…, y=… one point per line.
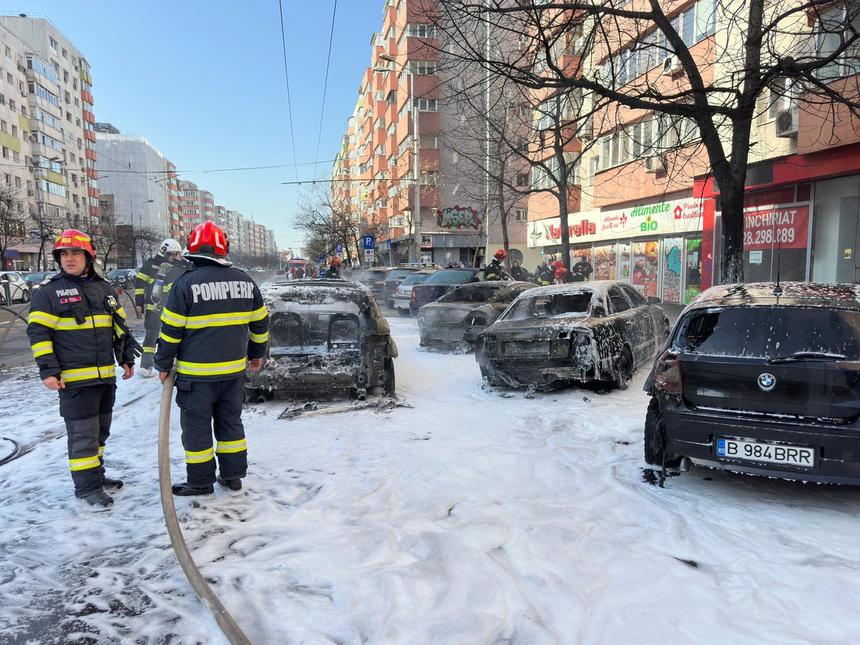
x=415, y=278
x=771, y=332
x=550, y=306
x=449, y=276
x=469, y=294
x=396, y=274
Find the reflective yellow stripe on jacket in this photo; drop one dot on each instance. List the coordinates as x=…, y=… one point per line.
x=40, y=349
x=85, y=373
x=68, y=324
x=168, y=339
x=259, y=338
x=232, y=446
x=213, y=320
x=211, y=369
x=145, y=278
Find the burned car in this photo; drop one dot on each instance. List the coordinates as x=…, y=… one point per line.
x=440, y=283
x=571, y=333
x=461, y=314
x=327, y=338
x=761, y=379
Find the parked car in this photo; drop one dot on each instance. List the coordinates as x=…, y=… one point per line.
x=34, y=279
x=327, y=338
x=403, y=294
x=392, y=280
x=459, y=315
x=17, y=287
x=374, y=279
x=440, y=283
x=761, y=379
x=122, y=278
x=571, y=333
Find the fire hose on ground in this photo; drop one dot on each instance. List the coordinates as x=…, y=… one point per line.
x=225, y=621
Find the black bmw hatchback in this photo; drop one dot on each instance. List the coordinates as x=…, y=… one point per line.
x=761, y=379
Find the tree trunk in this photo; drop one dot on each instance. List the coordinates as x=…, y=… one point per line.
x=732, y=234
x=503, y=220
x=562, y=201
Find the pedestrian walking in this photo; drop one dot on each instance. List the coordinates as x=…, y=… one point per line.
x=77, y=330
x=151, y=286
x=214, y=326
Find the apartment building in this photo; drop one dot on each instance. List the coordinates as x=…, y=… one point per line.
x=394, y=153
x=645, y=204
x=46, y=129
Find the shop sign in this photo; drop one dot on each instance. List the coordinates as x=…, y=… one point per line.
x=426, y=241
x=663, y=218
x=458, y=218
x=768, y=227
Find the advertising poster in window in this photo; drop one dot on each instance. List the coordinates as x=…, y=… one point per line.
x=646, y=263
x=693, y=270
x=672, y=258
x=624, y=261
x=604, y=262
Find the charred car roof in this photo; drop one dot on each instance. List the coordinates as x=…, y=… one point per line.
x=793, y=294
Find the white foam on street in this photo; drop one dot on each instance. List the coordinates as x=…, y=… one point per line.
x=472, y=518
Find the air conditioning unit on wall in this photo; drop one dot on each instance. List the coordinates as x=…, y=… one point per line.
x=672, y=66
x=653, y=164
x=786, y=123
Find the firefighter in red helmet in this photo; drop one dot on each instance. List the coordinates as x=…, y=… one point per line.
x=213, y=327
x=495, y=270
x=77, y=330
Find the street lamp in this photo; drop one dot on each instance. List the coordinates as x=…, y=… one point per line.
x=415, y=255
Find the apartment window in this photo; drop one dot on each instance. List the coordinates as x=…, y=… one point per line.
x=9, y=78
x=421, y=30
x=3, y=126
x=5, y=152
x=831, y=31
x=522, y=215
x=65, y=53
x=425, y=105
x=14, y=130
x=52, y=43
x=8, y=51
x=522, y=180
x=11, y=105
x=706, y=18
x=8, y=178
x=423, y=67
x=429, y=178
x=77, y=122
x=17, y=182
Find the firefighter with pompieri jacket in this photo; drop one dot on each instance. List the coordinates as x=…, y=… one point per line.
x=77, y=330
x=151, y=287
x=214, y=326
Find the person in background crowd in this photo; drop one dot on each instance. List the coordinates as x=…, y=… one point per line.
x=544, y=275
x=495, y=270
x=519, y=273
x=582, y=270
x=77, y=330
x=215, y=325
x=333, y=270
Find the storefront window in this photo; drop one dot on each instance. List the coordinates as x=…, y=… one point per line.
x=693, y=269
x=646, y=260
x=604, y=262
x=835, y=247
x=672, y=258
x=624, y=261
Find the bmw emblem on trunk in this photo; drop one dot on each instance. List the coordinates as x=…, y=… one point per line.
x=766, y=381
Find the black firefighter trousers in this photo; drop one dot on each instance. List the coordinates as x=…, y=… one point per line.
x=87, y=411
x=201, y=403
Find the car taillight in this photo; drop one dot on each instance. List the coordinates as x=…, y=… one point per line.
x=413, y=297
x=667, y=374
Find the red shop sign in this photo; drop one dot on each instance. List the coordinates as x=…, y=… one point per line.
x=770, y=227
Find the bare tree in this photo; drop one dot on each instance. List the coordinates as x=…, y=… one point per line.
x=146, y=241
x=11, y=220
x=105, y=239
x=48, y=226
x=638, y=56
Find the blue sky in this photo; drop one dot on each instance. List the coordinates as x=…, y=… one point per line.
x=203, y=81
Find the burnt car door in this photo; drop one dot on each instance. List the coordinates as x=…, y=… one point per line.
x=630, y=323
x=649, y=323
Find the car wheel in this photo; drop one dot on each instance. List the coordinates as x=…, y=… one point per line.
x=655, y=438
x=388, y=382
x=623, y=368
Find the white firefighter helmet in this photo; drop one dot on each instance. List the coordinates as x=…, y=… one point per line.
x=169, y=246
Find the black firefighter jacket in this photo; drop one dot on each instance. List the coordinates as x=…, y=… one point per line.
x=74, y=327
x=147, y=275
x=213, y=322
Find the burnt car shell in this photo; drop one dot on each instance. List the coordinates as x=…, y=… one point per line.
x=462, y=313
x=327, y=338
x=571, y=333
x=440, y=283
x=765, y=367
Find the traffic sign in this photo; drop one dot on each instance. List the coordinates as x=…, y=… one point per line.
x=368, y=242
x=338, y=249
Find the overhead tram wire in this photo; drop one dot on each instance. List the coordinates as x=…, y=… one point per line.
x=287, y=80
x=181, y=172
x=325, y=84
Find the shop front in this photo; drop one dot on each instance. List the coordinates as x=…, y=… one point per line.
x=801, y=223
x=655, y=247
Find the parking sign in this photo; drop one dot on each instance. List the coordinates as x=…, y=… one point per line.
x=367, y=242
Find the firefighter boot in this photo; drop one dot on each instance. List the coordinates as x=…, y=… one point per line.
x=99, y=498
x=187, y=490
x=232, y=484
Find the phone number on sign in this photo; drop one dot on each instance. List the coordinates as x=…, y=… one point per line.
x=769, y=236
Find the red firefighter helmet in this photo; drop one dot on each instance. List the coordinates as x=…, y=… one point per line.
x=555, y=266
x=335, y=261
x=500, y=254
x=72, y=238
x=208, y=241
x=560, y=272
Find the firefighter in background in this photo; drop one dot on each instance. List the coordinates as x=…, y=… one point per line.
x=333, y=270
x=151, y=286
x=495, y=270
x=214, y=325
x=76, y=329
